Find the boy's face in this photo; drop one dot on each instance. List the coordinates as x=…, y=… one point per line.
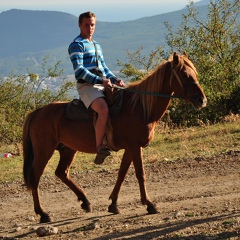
x=87, y=27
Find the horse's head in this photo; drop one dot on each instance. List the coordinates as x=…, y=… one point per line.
x=184, y=81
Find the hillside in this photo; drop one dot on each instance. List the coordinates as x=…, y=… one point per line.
x=29, y=36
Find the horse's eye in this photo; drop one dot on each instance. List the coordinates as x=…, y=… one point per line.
x=185, y=75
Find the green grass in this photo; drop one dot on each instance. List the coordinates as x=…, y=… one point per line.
x=168, y=145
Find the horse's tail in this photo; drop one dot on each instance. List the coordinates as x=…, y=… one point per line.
x=28, y=153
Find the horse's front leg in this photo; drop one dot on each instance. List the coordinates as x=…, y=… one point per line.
x=126, y=161
x=66, y=159
x=141, y=177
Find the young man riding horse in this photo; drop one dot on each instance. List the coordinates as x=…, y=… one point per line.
x=92, y=75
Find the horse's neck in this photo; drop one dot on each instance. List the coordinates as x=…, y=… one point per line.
x=159, y=109
x=152, y=107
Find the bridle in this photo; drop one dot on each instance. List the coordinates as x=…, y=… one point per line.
x=183, y=86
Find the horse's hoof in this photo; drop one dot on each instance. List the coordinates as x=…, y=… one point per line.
x=113, y=209
x=45, y=219
x=152, y=209
x=87, y=207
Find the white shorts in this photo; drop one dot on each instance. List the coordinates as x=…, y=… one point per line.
x=89, y=92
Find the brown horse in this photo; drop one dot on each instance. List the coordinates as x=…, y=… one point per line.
x=144, y=103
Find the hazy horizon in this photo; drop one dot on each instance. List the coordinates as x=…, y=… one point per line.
x=111, y=12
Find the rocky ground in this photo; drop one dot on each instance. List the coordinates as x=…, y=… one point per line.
x=196, y=198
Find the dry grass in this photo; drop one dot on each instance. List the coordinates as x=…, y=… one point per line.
x=171, y=144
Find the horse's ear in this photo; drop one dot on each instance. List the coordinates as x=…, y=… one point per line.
x=175, y=58
x=185, y=54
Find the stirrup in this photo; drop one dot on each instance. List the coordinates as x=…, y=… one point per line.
x=103, y=151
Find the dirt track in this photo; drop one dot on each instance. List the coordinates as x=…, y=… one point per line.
x=196, y=199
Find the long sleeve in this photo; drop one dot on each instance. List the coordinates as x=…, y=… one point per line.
x=82, y=61
x=83, y=58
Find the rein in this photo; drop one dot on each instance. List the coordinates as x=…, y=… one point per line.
x=148, y=93
x=162, y=94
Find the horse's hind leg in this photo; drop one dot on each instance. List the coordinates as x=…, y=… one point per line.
x=40, y=163
x=66, y=159
x=44, y=217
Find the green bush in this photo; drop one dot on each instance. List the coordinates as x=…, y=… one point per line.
x=213, y=46
x=23, y=94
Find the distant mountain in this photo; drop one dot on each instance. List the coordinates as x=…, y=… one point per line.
x=34, y=31
x=29, y=36
x=202, y=3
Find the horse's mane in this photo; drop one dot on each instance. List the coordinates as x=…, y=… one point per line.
x=153, y=83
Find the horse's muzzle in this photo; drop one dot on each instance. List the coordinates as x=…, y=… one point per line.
x=199, y=102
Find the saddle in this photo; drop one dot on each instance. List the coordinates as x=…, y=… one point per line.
x=77, y=111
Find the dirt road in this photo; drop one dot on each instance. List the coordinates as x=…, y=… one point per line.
x=196, y=198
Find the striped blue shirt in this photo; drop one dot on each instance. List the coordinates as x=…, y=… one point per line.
x=82, y=54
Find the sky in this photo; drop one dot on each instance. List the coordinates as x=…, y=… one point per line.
x=105, y=10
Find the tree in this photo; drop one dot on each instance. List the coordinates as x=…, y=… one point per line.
x=138, y=66
x=214, y=47
x=212, y=43
x=25, y=93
